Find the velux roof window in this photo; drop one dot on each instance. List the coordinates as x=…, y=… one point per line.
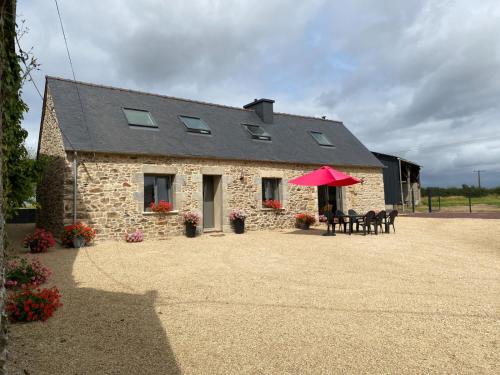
x=321, y=139
x=257, y=132
x=138, y=117
x=195, y=125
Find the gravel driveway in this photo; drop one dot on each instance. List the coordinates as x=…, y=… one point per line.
x=423, y=300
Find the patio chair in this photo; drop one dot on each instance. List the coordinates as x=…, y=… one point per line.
x=341, y=220
x=390, y=220
x=380, y=221
x=366, y=222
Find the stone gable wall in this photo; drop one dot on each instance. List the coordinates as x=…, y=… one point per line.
x=110, y=192
x=51, y=191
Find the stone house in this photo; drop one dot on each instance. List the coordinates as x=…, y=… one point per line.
x=114, y=151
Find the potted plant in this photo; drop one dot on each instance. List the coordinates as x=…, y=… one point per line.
x=191, y=220
x=237, y=218
x=162, y=207
x=304, y=220
x=272, y=203
x=77, y=235
x=137, y=236
x=40, y=241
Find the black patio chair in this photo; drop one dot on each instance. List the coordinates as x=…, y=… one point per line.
x=366, y=222
x=390, y=220
x=380, y=221
x=356, y=220
x=341, y=220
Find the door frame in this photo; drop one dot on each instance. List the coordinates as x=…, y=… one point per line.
x=217, y=186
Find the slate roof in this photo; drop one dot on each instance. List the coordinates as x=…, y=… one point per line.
x=105, y=129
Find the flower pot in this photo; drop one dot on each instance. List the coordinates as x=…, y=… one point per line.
x=33, y=247
x=190, y=230
x=239, y=226
x=78, y=242
x=304, y=226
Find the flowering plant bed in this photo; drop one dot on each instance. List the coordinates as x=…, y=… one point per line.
x=21, y=272
x=237, y=215
x=137, y=236
x=272, y=203
x=192, y=218
x=40, y=241
x=77, y=230
x=162, y=207
x=30, y=305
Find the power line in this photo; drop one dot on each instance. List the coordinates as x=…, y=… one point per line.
x=73, y=72
x=36, y=86
x=478, y=171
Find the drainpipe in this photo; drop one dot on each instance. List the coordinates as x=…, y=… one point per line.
x=75, y=185
x=401, y=185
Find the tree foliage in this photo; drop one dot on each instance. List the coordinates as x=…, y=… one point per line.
x=465, y=190
x=20, y=172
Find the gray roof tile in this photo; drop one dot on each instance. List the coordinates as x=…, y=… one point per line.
x=105, y=129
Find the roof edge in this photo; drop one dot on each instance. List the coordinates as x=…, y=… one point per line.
x=216, y=158
x=47, y=77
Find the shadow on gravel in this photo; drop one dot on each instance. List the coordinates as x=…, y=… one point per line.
x=95, y=332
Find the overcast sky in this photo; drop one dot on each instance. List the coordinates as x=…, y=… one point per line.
x=420, y=79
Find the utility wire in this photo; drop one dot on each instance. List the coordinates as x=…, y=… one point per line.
x=28, y=71
x=73, y=72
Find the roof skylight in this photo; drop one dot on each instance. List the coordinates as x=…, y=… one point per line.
x=138, y=117
x=257, y=132
x=195, y=125
x=321, y=139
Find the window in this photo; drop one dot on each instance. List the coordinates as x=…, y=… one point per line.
x=258, y=133
x=321, y=139
x=271, y=189
x=157, y=188
x=137, y=117
x=195, y=125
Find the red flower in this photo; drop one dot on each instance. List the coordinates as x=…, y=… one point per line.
x=272, y=203
x=40, y=241
x=161, y=207
x=33, y=304
x=77, y=230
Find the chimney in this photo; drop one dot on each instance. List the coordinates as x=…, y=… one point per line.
x=263, y=108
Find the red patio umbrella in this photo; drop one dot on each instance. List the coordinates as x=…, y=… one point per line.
x=325, y=176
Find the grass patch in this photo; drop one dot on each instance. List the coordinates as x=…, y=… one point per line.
x=491, y=200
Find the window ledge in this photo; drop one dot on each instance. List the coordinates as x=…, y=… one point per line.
x=173, y=212
x=272, y=209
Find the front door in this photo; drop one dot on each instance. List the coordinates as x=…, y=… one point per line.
x=208, y=202
x=327, y=195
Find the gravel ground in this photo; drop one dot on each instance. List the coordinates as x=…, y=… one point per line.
x=423, y=300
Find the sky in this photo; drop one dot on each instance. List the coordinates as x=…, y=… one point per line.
x=418, y=79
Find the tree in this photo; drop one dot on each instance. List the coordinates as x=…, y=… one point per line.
x=20, y=172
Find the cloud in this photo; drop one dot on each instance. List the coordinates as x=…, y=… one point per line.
x=416, y=78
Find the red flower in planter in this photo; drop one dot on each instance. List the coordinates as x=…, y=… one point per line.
x=161, y=207
x=39, y=241
x=272, y=203
x=33, y=304
x=77, y=230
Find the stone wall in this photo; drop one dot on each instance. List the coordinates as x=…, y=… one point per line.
x=110, y=192
x=50, y=192
x=111, y=189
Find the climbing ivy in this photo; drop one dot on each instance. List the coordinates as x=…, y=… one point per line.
x=20, y=172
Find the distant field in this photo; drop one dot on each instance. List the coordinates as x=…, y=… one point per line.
x=458, y=203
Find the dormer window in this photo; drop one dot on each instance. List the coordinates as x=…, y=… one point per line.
x=195, y=125
x=257, y=132
x=321, y=139
x=139, y=117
